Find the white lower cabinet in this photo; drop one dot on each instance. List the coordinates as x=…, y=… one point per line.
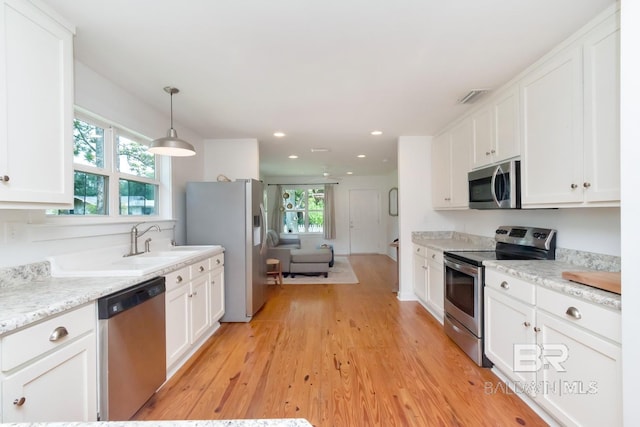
x=53, y=377
x=216, y=294
x=177, y=327
x=508, y=322
x=420, y=272
x=562, y=351
x=199, y=307
x=194, y=303
x=428, y=279
x=587, y=389
x=435, y=284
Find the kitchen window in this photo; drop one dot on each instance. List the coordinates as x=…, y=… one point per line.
x=303, y=209
x=114, y=174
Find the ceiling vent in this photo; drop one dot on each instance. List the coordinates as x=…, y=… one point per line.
x=472, y=96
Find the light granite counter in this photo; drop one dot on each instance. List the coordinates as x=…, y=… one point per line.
x=541, y=272
x=28, y=294
x=452, y=241
x=291, y=422
x=549, y=274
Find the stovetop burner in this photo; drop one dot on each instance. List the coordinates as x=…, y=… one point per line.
x=513, y=243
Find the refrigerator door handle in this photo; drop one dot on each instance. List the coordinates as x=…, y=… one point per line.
x=263, y=230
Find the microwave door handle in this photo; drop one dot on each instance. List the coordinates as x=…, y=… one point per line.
x=493, y=186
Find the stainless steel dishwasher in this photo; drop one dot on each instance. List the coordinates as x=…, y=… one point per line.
x=131, y=348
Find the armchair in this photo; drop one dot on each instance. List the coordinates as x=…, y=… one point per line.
x=280, y=248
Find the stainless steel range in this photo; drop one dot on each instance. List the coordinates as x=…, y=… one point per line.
x=464, y=282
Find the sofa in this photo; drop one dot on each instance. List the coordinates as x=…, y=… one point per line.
x=280, y=248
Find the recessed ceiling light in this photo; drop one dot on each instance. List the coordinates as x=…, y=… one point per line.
x=293, y=156
x=349, y=173
x=376, y=132
x=279, y=134
x=362, y=156
x=325, y=173
x=320, y=150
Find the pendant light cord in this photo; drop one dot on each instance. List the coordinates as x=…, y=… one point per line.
x=171, y=108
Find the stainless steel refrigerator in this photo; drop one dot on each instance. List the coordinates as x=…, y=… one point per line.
x=231, y=214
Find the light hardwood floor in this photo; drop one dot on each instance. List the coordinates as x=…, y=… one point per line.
x=339, y=355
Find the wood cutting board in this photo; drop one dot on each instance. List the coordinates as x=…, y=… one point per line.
x=598, y=279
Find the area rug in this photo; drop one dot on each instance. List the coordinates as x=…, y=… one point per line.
x=340, y=273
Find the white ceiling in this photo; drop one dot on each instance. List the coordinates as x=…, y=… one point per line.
x=325, y=72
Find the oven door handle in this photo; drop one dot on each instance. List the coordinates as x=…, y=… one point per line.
x=463, y=268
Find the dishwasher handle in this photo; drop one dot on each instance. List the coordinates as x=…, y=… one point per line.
x=116, y=303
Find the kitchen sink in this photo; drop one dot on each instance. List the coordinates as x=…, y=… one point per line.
x=105, y=262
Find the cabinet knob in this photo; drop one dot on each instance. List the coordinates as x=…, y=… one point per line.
x=574, y=312
x=504, y=285
x=4, y=178
x=574, y=186
x=194, y=294
x=20, y=402
x=493, y=151
x=433, y=256
x=526, y=324
x=178, y=279
x=58, y=333
x=487, y=153
x=586, y=184
x=201, y=269
x=218, y=261
x=536, y=329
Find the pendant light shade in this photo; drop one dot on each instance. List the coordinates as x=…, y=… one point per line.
x=171, y=145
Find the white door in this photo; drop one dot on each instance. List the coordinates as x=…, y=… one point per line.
x=364, y=221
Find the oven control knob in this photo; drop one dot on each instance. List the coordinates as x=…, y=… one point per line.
x=543, y=235
x=536, y=235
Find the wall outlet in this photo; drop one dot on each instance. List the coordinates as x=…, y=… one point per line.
x=15, y=232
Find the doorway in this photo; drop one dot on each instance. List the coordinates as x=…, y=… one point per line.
x=364, y=221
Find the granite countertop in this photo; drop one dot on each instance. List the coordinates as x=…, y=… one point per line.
x=452, y=241
x=292, y=422
x=541, y=272
x=24, y=300
x=548, y=273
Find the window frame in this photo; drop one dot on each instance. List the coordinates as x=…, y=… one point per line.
x=111, y=132
x=306, y=210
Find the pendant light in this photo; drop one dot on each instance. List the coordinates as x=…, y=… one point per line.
x=171, y=145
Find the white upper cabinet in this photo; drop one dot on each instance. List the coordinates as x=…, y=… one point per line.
x=506, y=124
x=495, y=129
x=552, y=130
x=570, y=135
x=450, y=160
x=602, y=112
x=36, y=107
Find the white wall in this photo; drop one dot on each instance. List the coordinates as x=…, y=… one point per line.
x=414, y=198
x=233, y=158
x=630, y=137
x=382, y=184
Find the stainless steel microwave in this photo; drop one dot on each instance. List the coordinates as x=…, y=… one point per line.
x=495, y=187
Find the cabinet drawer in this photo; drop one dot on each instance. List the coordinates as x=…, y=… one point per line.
x=200, y=268
x=420, y=250
x=33, y=341
x=217, y=261
x=509, y=285
x=434, y=255
x=176, y=278
x=594, y=317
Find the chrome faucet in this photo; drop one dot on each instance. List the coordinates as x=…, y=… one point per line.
x=134, y=234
